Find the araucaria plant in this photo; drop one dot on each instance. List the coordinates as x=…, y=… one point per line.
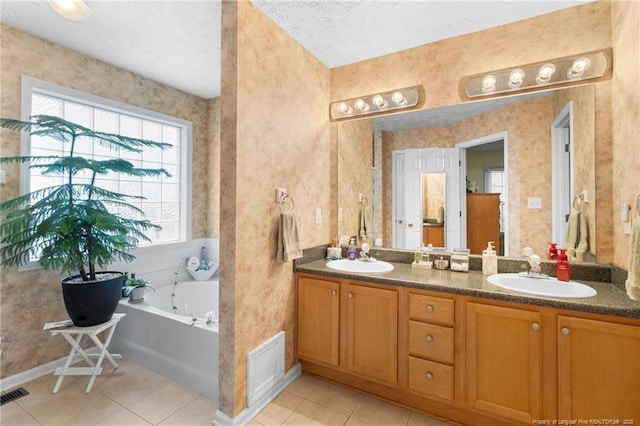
x=73, y=225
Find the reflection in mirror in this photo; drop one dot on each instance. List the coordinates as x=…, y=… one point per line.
x=526, y=121
x=433, y=199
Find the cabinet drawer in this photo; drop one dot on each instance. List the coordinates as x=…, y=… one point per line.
x=431, y=341
x=431, y=378
x=431, y=309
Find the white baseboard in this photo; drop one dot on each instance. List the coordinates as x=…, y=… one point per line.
x=245, y=416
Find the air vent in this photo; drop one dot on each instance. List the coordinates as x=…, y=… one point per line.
x=13, y=395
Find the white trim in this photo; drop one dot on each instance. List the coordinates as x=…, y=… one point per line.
x=29, y=84
x=558, y=189
x=34, y=373
x=246, y=415
x=481, y=141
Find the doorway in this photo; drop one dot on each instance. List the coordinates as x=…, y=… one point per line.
x=562, y=173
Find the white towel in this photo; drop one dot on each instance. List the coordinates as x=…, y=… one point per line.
x=577, y=233
x=633, y=279
x=364, y=222
x=288, y=238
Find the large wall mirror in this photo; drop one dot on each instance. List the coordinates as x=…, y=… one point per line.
x=513, y=166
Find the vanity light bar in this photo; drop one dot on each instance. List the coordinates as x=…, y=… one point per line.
x=375, y=104
x=567, y=71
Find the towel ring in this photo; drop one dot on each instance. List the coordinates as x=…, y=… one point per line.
x=577, y=203
x=286, y=197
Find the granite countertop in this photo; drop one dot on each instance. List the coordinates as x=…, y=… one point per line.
x=610, y=300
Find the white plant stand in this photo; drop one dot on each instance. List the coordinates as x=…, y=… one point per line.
x=74, y=335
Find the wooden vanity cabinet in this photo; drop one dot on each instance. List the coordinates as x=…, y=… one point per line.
x=504, y=364
x=598, y=370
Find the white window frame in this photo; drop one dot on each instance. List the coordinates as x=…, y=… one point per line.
x=30, y=84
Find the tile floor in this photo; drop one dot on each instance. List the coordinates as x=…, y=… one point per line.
x=132, y=396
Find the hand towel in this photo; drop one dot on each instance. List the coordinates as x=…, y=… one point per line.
x=577, y=233
x=288, y=238
x=364, y=222
x=633, y=279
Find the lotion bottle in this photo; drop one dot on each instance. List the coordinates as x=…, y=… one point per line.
x=352, y=252
x=563, y=272
x=489, y=260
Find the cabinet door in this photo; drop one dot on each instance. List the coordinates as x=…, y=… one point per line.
x=598, y=370
x=372, y=332
x=504, y=361
x=318, y=316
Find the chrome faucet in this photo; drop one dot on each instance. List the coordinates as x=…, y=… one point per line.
x=534, y=264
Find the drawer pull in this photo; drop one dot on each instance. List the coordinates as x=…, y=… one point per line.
x=349, y=295
x=429, y=376
x=334, y=293
x=429, y=308
x=429, y=338
x=565, y=331
x=535, y=326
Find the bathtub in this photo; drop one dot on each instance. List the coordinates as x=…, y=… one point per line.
x=172, y=333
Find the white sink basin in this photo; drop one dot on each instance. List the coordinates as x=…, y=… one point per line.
x=347, y=265
x=542, y=286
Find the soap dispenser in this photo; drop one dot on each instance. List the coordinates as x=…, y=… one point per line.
x=553, y=251
x=563, y=272
x=489, y=260
x=352, y=252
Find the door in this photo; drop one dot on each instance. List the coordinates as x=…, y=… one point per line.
x=598, y=370
x=562, y=173
x=372, y=332
x=318, y=311
x=407, y=199
x=504, y=361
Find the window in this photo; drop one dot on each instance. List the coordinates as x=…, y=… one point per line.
x=167, y=198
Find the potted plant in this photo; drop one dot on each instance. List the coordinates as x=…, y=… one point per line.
x=73, y=226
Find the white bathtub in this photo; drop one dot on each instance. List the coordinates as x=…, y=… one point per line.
x=168, y=334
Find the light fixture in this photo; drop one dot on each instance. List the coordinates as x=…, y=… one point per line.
x=545, y=72
x=543, y=75
x=376, y=103
x=76, y=10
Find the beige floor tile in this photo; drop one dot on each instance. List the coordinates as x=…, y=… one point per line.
x=198, y=412
x=418, y=419
x=134, y=388
x=279, y=409
x=89, y=410
x=42, y=404
x=335, y=397
x=122, y=418
x=111, y=377
x=162, y=401
x=379, y=413
x=12, y=414
x=355, y=422
x=304, y=385
x=310, y=414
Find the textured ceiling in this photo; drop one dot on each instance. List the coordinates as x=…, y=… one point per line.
x=178, y=42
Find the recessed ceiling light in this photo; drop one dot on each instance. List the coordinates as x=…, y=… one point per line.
x=76, y=10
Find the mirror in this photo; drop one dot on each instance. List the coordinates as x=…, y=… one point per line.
x=530, y=125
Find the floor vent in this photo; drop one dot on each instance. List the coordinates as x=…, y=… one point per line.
x=13, y=395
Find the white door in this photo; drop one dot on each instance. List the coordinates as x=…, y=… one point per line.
x=562, y=174
x=407, y=199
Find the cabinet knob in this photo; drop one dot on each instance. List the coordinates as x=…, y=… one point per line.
x=429, y=376
x=410, y=225
x=535, y=326
x=429, y=338
x=565, y=331
x=334, y=293
x=429, y=308
x=349, y=295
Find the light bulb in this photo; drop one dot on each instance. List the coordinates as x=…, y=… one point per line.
x=76, y=10
x=361, y=105
x=398, y=98
x=379, y=101
x=516, y=77
x=488, y=83
x=578, y=67
x=344, y=108
x=544, y=73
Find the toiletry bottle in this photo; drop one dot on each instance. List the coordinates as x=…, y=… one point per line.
x=562, y=266
x=352, y=252
x=489, y=260
x=553, y=251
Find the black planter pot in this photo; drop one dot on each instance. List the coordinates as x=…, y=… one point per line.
x=92, y=303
